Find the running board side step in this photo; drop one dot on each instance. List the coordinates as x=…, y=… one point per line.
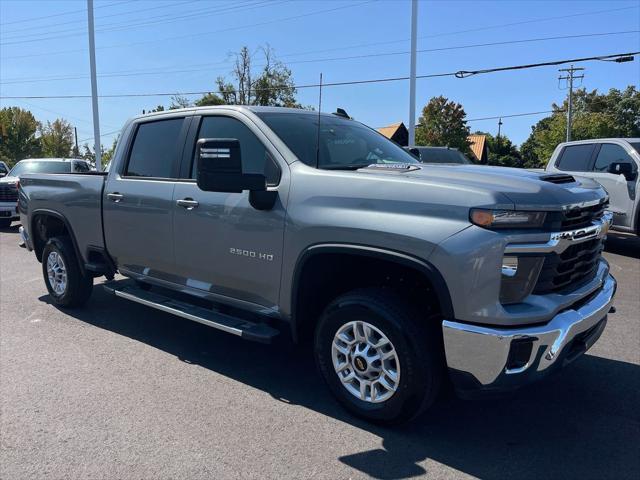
x=257, y=332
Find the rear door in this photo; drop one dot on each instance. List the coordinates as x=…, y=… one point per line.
x=224, y=247
x=138, y=199
x=622, y=192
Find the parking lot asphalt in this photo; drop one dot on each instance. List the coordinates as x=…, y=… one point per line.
x=117, y=390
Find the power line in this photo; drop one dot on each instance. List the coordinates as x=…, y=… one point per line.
x=22, y=56
x=190, y=35
x=514, y=115
x=117, y=14
x=457, y=74
x=71, y=12
x=133, y=73
x=118, y=26
x=467, y=73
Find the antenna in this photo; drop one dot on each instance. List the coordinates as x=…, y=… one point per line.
x=318, y=138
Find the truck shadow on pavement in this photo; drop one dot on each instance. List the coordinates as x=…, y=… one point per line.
x=582, y=423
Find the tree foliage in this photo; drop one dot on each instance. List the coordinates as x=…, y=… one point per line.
x=18, y=139
x=56, y=138
x=614, y=114
x=272, y=85
x=443, y=124
x=502, y=152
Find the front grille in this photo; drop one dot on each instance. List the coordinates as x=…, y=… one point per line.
x=578, y=264
x=8, y=193
x=582, y=217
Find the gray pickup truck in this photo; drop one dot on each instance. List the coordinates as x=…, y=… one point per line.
x=261, y=221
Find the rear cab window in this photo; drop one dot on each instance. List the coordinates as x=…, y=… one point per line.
x=576, y=158
x=156, y=149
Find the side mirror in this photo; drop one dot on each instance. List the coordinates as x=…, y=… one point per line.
x=219, y=167
x=2, y=174
x=622, y=168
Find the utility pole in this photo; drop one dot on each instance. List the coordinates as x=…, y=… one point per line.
x=94, y=87
x=77, y=151
x=412, y=79
x=570, y=77
x=499, y=128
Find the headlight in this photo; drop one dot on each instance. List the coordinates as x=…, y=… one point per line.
x=493, y=219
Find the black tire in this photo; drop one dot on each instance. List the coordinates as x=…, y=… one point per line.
x=417, y=340
x=5, y=222
x=78, y=285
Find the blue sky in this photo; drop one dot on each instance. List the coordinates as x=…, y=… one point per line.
x=183, y=45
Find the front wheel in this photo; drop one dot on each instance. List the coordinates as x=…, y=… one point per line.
x=380, y=358
x=68, y=286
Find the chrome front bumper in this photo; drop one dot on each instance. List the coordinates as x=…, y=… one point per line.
x=498, y=359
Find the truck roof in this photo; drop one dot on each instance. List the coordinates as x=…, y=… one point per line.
x=239, y=108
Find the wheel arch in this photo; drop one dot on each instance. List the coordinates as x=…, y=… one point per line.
x=38, y=236
x=317, y=253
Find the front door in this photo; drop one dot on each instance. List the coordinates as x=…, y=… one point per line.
x=138, y=199
x=622, y=192
x=224, y=246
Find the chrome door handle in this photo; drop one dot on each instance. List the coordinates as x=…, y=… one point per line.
x=115, y=196
x=188, y=203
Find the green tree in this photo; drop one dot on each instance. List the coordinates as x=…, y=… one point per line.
x=209, y=99
x=613, y=114
x=107, y=153
x=56, y=138
x=18, y=139
x=179, y=101
x=502, y=152
x=443, y=124
x=272, y=85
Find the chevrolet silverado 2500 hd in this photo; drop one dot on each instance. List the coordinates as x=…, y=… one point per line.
x=258, y=220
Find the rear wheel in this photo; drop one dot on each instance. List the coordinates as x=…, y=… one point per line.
x=382, y=360
x=68, y=286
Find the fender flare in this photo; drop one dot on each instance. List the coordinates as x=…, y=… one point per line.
x=61, y=217
x=426, y=268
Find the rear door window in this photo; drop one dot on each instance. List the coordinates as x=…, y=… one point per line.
x=610, y=153
x=576, y=158
x=155, y=149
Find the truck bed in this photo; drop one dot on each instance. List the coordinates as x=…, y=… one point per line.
x=76, y=197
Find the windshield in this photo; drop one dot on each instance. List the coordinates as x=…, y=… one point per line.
x=442, y=155
x=31, y=166
x=344, y=144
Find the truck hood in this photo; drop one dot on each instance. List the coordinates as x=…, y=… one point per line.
x=526, y=189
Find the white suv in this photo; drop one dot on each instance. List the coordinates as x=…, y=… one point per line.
x=612, y=162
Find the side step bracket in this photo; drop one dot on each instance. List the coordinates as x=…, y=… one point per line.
x=257, y=332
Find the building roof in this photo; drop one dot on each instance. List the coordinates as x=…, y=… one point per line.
x=477, y=145
x=391, y=130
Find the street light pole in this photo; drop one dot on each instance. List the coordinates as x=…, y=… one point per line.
x=412, y=80
x=94, y=87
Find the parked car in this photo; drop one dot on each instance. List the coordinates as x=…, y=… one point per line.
x=9, y=183
x=4, y=169
x=449, y=156
x=261, y=220
x=614, y=164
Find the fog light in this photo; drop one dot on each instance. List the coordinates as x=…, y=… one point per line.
x=509, y=266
